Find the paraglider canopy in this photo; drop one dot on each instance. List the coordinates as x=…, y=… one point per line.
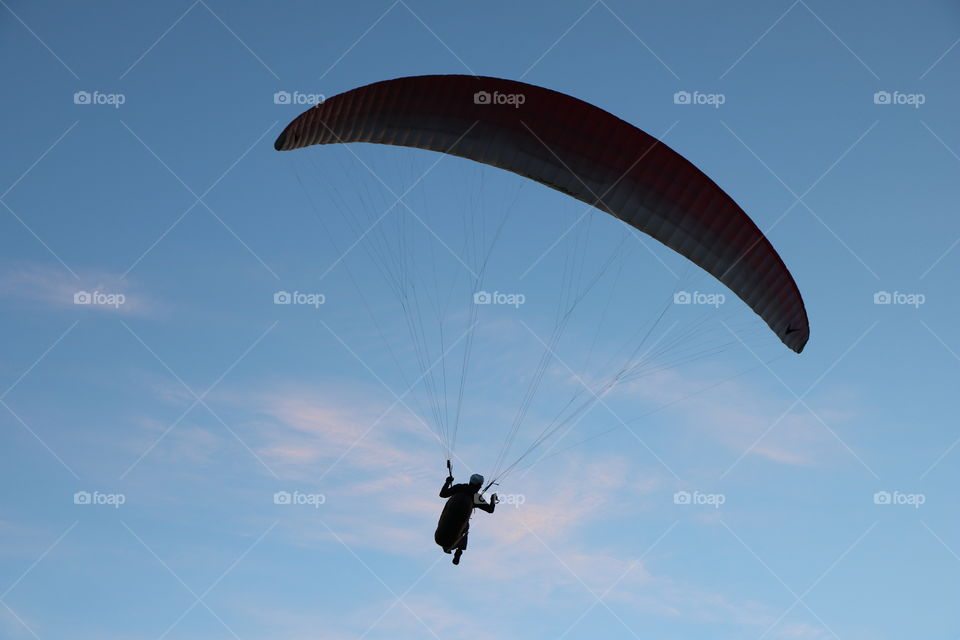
x=578, y=149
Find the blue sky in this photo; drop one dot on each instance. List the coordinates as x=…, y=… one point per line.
x=184, y=398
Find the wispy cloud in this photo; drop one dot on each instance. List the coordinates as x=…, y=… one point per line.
x=383, y=501
x=91, y=290
x=317, y=428
x=741, y=418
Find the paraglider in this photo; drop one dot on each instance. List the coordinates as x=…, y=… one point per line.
x=585, y=152
x=454, y=523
